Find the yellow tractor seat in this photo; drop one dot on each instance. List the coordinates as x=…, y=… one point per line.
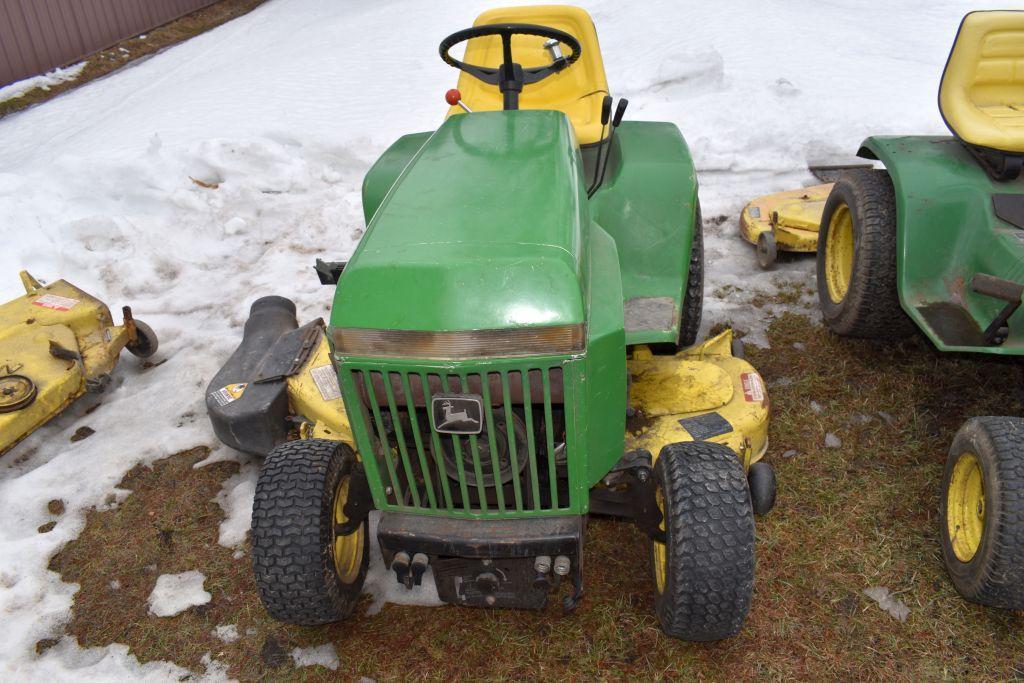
x=981, y=96
x=578, y=91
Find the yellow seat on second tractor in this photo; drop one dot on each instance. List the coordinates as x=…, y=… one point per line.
x=982, y=92
x=578, y=92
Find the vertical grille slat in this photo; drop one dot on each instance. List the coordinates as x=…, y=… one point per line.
x=417, y=439
x=515, y=465
x=435, y=445
x=531, y=442
x=396, y=422
x=549, y=433
x=511, y=434
x=461, y=469
x=382, y=435
x=491, y=443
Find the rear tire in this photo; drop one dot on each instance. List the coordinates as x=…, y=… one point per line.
x=305, y=574
x=704, y=572
x=857, y=288
x=982, y=512
x=693, y=292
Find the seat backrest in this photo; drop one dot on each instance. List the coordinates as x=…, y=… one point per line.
x=577, y=91
x=981, y=96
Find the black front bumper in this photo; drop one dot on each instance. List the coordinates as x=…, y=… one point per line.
x=487, y=563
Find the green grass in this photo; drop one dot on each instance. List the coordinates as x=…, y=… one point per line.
x=849, y=518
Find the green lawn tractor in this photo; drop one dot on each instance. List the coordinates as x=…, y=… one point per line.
x=511, y=348
x=936, y=241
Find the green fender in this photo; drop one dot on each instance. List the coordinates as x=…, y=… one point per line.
x=648, y=204
x=382, y=175
x=947, y=231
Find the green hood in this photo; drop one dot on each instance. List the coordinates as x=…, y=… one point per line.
x=483, y=230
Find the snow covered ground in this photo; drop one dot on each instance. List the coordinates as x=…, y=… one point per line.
x=43, y=81
x=283, y=110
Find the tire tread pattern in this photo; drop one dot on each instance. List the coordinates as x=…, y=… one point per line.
x=710, y=542
x=996, y=577
x=871, y=308
x=693, y=292
x=292, y=531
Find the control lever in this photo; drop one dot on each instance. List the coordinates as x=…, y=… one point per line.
x=606, y=113
x=454, y=97
x=1004, y=290
x=620, y=110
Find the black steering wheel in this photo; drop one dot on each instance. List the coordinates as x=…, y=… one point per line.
x=510, y=77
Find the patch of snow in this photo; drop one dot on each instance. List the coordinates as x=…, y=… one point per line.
x=227, y=633
x=68, y=661
x=235, y=498
x=816, y=407
x=382, y=585
x=832, y=441
x=896, y=608
x=322, y=655
x=175, y=593
x=45, y=81
x=115, y=585
x=789, y=454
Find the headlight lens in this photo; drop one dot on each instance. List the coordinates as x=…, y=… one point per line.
x=522, y=341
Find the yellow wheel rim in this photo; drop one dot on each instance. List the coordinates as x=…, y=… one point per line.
x=965, y=507
x=839, y=253
x=659, y=558
x=348, y=550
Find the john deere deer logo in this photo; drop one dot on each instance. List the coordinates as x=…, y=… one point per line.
x=457, y=413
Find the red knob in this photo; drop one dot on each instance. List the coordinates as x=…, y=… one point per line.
x=453, y=96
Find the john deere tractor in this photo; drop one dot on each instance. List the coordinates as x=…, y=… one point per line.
x=935, y=240
x=511, y=348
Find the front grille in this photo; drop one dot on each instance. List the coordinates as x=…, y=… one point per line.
x=517, y=463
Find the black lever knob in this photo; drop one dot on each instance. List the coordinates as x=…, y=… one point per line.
x=606, y=109
x=619, y=111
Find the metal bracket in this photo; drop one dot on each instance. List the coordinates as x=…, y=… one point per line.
x=360, y=502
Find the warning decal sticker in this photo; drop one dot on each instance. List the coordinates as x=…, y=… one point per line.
x=229, y=394
x=703, y=427
x=753, y=387
x=326, y=381
x=55, y=303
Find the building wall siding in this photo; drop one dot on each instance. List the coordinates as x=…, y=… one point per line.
x=38, y=35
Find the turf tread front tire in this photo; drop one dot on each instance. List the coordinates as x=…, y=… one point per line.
x=292, y=533
x=871, y=307
x=995, y=575
x=709, y=526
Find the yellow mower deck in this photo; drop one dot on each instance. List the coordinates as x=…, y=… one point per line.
x=56, y=342
x=701, y=394
x=792, y=218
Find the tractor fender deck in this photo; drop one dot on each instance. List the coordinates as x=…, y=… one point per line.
x=701, y=394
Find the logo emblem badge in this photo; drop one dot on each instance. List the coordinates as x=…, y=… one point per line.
x=457, y=413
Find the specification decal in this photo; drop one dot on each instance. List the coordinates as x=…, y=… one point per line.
x=703, y=427
x=753, y=387
x=229, y=394
x=55, y=303
x=326, y=381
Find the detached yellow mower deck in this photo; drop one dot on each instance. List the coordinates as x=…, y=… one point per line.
x=56, y=343
x=786, y=221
